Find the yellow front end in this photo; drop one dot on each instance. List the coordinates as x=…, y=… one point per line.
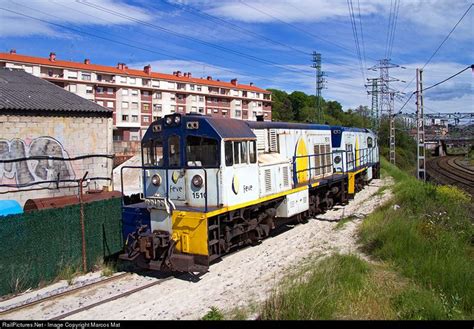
x=190, y=232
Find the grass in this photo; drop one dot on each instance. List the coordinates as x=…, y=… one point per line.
x=428, y=239
x=346, y=287
x=68, y=273
x=424, y=269
x=340, y=224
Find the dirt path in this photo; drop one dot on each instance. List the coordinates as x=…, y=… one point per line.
x=240, y=278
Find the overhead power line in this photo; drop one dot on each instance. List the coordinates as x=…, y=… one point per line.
x=184, y=36
x=442, y=43
x=235, y=27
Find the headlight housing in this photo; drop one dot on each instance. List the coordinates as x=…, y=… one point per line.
x=177, y=119
x=197, y=181
x=156, y=180
x=337, y=159
x=169, y=120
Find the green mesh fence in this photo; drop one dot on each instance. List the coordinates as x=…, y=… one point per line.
x=37, y=246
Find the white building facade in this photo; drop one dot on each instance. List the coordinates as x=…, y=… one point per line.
x=138, y=97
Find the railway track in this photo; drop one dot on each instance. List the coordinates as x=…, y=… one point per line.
x=450, y=171
x=91, y=286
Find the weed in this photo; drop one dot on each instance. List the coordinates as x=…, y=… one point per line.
x=67, y=272
x=213, y=315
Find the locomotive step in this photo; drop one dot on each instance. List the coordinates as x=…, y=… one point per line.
x=213, y=227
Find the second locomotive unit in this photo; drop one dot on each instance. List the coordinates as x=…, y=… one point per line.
x=213, y=184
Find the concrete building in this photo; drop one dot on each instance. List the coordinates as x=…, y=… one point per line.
x=49, y=138
x=138, y=97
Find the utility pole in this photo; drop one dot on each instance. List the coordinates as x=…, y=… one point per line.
x=319, y=84
x=420, y=127
x=391, y=117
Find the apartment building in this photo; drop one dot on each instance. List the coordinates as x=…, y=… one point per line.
x=138, y=97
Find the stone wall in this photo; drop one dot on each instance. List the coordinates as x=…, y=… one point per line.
x=25, y=136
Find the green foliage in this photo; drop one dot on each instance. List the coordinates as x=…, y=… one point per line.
x=47, y=245
x=213, y=315
x=429, y=239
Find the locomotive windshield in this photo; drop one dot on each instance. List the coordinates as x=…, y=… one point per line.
x=201, y=151
x=153, y=153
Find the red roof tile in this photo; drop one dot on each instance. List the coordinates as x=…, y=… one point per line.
x=130, y=72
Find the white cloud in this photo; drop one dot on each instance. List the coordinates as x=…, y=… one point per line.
x=61, y=12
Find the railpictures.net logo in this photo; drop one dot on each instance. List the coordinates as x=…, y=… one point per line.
x=59, y=325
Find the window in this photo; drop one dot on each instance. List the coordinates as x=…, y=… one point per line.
x=133, y=81
x=173, y=151
x=89, y=90
x=86, y=76
x=124, y=92
x=153, y=153
x=157, y=107
x=72, y=75
x=236, y=152
x=134, y=106
x=123, y=79
x=201, y=110
x=100, y=90
x=257, y=95
x=155, y=83
x=194, y=98
x=124, y=117
x=101, y=103
x=180, y=108
x=253, y=151
x=146, y=118
x=199, y=88
x=173, y=108
x=155, y=118
x=125, y=105
x=237, y=103
x=228, y=154
x=194, y=109
x=134, y=92
x=146, y=93
x=191, y=87
x=243, y=152
x=370, y=143
x=235, y=92
x=110, y=91
x=134, y=118
x=238, y=114
x=157, y=95
x=146, y=107
x=110, y=105
x=203, y=150
x=99, y=77
x=201, y=98
x=73, y=88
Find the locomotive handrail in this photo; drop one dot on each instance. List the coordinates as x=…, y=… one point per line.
x=310, y=168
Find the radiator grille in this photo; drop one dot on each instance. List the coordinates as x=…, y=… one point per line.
x=273, y=140
x=285, y=177
x=268, y=180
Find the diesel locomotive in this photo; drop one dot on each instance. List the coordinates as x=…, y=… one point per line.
x=211, y=185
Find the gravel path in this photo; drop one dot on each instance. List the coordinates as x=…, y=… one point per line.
x=240, y=278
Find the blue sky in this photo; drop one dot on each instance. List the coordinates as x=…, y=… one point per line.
x=265, y=42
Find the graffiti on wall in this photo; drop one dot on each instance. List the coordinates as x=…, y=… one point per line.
x=24, y=172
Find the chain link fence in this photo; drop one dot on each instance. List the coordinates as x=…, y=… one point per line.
x=38, y=246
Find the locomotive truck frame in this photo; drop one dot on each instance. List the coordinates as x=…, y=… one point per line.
x=211, y=185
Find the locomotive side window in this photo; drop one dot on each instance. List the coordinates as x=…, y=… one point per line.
x=243, y=152
x=236, y=152
x=228, y=154
x=370, y=142
x=203, y=150
x=253, y=151
x=173, y=152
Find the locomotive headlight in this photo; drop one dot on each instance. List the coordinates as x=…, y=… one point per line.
x=337, y=159
x=197, y=181
x=156, y=180
x=177, y=119
x=169, y=120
